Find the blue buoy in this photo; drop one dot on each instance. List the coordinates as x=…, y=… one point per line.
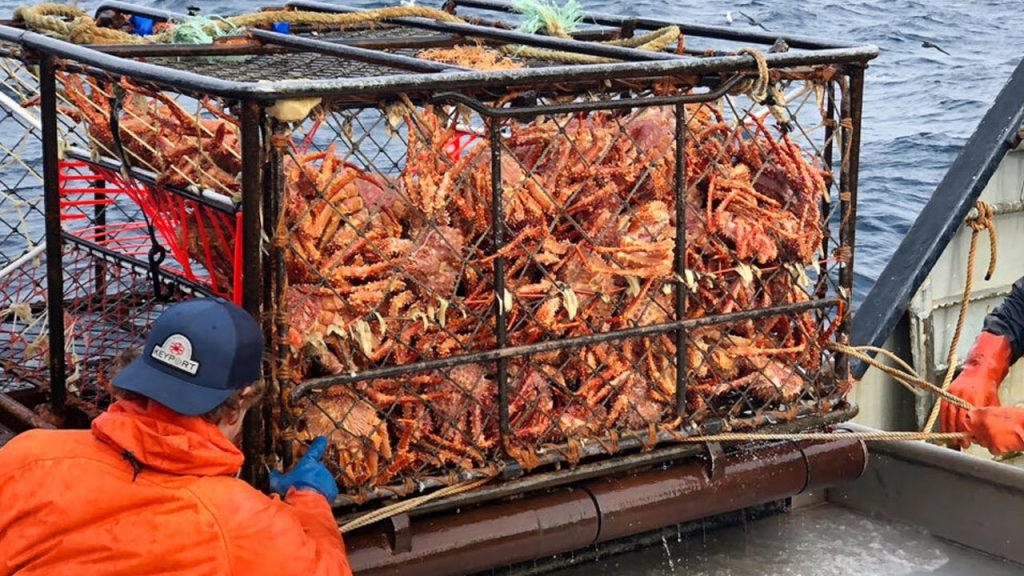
x=141, y=25
x=281, y=27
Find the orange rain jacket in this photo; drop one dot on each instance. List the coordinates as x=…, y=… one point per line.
x=71, y=503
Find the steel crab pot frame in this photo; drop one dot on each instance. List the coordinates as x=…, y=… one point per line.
x=462, y=273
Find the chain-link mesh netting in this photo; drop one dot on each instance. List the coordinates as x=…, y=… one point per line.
x=393, y=258
x=458, y=284
x=144, y=223
x=116, y=232
x=23, y=342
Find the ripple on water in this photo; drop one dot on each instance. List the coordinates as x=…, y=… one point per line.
x=919, y=106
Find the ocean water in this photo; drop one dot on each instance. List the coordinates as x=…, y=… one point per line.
x=920, y=104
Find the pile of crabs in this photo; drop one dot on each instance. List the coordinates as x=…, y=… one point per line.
x=389, y=269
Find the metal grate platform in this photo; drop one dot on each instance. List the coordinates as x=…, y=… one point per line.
x=296, y=66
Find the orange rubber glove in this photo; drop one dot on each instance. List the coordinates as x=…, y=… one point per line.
x=986, y=366
x=999, y=428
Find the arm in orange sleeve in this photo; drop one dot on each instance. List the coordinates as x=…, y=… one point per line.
x=318, y=521
x=265, y=535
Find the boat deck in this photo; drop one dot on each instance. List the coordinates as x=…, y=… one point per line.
x=823, y=540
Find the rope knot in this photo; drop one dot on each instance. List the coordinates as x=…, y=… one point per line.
x=758, y=88
x=983, y=219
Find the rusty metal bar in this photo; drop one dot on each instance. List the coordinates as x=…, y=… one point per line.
x=252, y=270
x=516, y=481
x=680, y=262
x=277, y=319
x=1000, y=208
x=848, y=170
x=500, y=314
x=552, y=345
x=645, y=502
x=568, y=519
x=521, y=112
x=252, y=194
x=830, y=122
x=21, y=413
x=478, y=539
x=54, y=242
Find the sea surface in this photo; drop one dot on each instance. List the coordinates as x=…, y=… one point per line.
x=920, y=104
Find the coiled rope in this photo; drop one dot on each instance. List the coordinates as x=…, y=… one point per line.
x=74, y=25
x=757, y=87
x=70, y=23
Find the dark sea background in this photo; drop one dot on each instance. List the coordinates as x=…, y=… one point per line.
x=920, y=104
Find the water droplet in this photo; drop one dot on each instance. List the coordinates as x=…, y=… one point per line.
x=668, y=553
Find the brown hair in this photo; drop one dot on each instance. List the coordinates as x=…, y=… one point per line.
x=237, y=401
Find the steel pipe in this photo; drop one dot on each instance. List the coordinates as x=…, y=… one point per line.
x=478, y=539
x=573, y=518
x=21, y=413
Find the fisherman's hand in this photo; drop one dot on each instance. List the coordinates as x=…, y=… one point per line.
x=308, y=474
x=977, y=391
x=1000, y=428
x=978, y=384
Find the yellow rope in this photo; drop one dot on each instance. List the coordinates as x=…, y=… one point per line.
x=648, y=38
x=71, y=23
x=303, y=18
x=81, y=29
x=758, y=88
x=910, y=378
x=407, y=505
x=982, y=221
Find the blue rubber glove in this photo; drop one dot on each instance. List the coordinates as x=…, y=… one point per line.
x=308, y=474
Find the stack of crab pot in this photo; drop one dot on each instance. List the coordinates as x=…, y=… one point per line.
x=470, y=259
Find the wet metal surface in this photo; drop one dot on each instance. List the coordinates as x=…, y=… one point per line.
x=604, y=511
x=822, y=541
x=969, y=500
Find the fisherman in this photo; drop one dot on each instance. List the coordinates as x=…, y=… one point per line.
x=153, y=487
x=1001, y=342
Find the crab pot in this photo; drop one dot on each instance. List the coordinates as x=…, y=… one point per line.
x=474, y=252
x=23, y=352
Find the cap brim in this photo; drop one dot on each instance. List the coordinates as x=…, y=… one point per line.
x=178, y=395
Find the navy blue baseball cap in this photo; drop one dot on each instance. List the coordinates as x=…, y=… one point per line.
x=198, y=353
